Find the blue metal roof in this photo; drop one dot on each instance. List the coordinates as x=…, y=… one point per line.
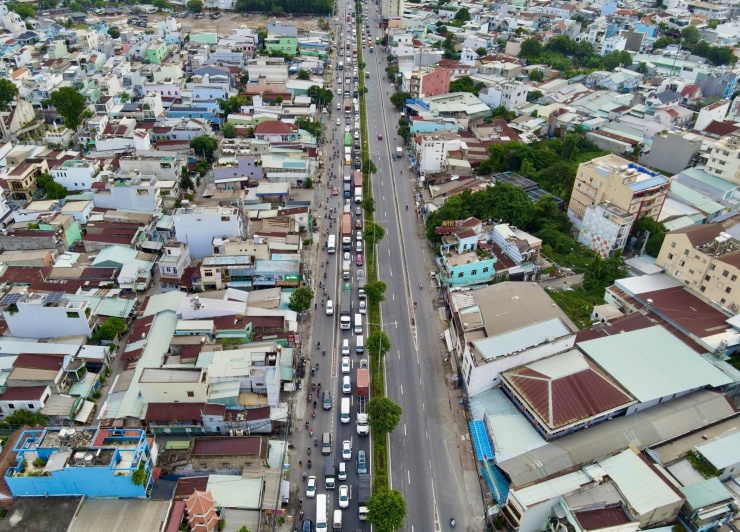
x=650, y=183
x=481, y=441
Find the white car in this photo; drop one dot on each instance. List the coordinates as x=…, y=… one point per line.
x=346, y=384
x=346, y=256
x=311, y=488
x=339, y=91
x=339, y=121
x=347, y=129
x=343, y=496
x=358, y=236
x=329, y=307
x=346, y=450
x=345, y=347
x=345, y=365
x=363, y=306
x=342, y=474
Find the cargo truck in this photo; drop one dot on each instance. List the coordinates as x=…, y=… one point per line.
x=329, y=473
x=362, y=385
x=358, y=194
x=347, y=140
x=347, y=190
x=357, y=178
x=345, y=315
x=345, y=270
x=364, y=491
x=399, y=153
x=346, y=232
x=347, y=106
x=347, y=155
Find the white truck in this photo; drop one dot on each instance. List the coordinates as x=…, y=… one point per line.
x=361, y=281
x=399, y=152
x=345, y=270
x=358, y=194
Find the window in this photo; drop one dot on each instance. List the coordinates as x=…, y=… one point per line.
x=673, y=244
x=682, y=263
x=686, y=252
x=191, y=394
x=728, y=290
x=670, y=256
x=678, y=275
x=485, y=270
x=459, y=275
x=11, y=406
x=722, y=301
x=707, y=278
x=30, y=406
x=725, y=273
x=474, y=272
x=702, y=288
x=733, y=278
x=711, y=267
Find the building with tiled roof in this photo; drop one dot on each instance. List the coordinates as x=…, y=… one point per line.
x=564, y=393
x=276, y=131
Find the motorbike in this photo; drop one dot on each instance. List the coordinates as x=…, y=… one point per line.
x=313, y=414
x=309, y=463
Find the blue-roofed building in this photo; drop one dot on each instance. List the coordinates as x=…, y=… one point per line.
x=709, y=505
x=89, y=461
x=636, y=190
x=186, y=111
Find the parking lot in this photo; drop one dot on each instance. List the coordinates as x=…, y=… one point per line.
x=223, y=25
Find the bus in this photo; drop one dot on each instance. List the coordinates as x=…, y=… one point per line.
x=321, y=519
x=331, y=246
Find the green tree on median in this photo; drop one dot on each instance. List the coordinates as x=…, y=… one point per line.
x=375, y=292
x=386, y=509
x=383, y=414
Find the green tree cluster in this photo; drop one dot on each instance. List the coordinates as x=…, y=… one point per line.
x=205, y=146
x=50, y=188
x=25, y=417
x=383, y=414
x=71, y=105
x=466, y=84
x=657, y=233
x=314, y=127
x=233, y=104
x=300, y=299
x=195, y=6
x=109, y=329
x=564, y=54
x=317, y=94
x=386, y=509
x=304, y=75
x=8, y=92
x=312, y=7
x=398, y=99
x=228, y=131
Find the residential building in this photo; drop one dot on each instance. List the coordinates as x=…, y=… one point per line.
x=722, y=453
x=172, y=264
x=176, y=385
x=129, y=192
x=672, y=151
x=391, y=8
x=510, y=95
x=486, y=340
x=433, y=151
x=89, y=462
x=198, y=226
x=276, y=131
x=628, y=186
x=706, y=258
x=22, y=179
x=518, y=245
x=724, y=159
x=243, y=272
x=32, y=398
x=429, y=81
x=709, y=505
x=156, y=51
x=52, y=315
x=224, y=452
x=77, y=174
x=605, y=228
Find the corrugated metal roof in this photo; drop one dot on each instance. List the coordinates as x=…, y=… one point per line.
x=722, y=452
x=703, y=494
x=639, y=484
x=228, y=446
x=519, y=339
x=645, y=428
x=652, y=363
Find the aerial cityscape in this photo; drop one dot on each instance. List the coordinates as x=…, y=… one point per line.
x=350, y=266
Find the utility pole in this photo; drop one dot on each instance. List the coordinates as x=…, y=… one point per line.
x=644, y=243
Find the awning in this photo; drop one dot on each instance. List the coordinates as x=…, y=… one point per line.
x=155, y=246
x=448, y=340
x=285, y=492
x=85, y=413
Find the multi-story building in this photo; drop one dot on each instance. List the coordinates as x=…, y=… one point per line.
x=165, y=166
x=22, y=179
x=605, y=228
x=724, y=159
x=77, y=174
x=82, y=461
x=628, y=186
x=432, y=151
x=429, y=81
x=34, y=315
x=198, y=226
x=130, y=192
x=509, y=95
x=172, y=264
x=706, y=258
x=391, y=8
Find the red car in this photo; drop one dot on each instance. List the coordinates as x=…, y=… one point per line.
x=359, y=259
x=380, y=137
x=335, y=191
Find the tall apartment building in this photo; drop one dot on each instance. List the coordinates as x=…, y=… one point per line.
x=628, y=186
x=706, y=258
x=724, y=159
x=198, y=226
x=391, y=8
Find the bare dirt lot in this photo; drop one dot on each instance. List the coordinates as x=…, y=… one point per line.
x=226, y=23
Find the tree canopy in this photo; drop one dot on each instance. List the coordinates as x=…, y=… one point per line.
x=233, y=104
x=383, y=414
x=373, y=233
x=300, y=299
x=657, y=234
x=399, y=99
x=466, y=84
x=71, y=105
x=8, y=92
x=378, y=343
x=25, y=417
x=195, y=6
x=205, y=146
x=109, y=329
x=386, y=509
x=50, y=188
x=313, y=7
x=375, y=291
x=319, y=95
x=314, y=127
